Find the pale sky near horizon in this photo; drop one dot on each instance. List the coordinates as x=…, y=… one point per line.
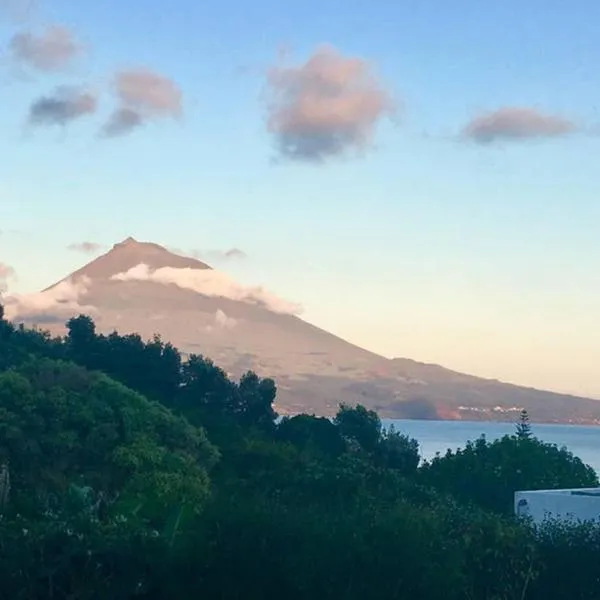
x=459, y=228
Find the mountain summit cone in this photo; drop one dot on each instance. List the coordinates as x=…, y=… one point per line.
x=130, y=253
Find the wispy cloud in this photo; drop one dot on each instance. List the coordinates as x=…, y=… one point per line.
x=6, y=274
x=18, y=10
x=142, y=96
x=212, y=255
x=85, y=247
x=516, y=124
x=122, y=121
x=209, y=282
x=52, y=50
x=221, y=321
x=325, y=107
x=64, y=105
x=148, y=91
x=6, y=271
x=220, y=255
x=16, y=232
x=235, y=253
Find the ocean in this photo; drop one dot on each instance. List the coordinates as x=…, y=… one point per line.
x=438, y=436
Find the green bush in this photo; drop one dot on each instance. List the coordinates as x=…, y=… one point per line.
x=489, y=473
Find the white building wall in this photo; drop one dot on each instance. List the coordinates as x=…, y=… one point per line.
x=570, y=505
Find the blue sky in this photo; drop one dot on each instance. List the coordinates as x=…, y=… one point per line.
x=481, y=257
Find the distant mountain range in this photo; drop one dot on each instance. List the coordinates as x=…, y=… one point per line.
x=144, y=288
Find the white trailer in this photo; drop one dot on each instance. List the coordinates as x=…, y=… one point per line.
x=573, y=505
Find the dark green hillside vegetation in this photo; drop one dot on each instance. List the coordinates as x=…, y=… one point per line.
x=128, y=472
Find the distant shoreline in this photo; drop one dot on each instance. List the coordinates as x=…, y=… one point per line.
x=385, y=417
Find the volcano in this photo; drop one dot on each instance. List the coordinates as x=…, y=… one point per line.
x=140, y=287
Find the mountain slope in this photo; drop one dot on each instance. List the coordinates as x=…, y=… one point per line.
x=141, y=287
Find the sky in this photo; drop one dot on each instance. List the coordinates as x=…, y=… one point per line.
x=420, y=176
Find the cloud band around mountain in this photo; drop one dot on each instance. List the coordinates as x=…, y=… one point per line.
x=209, y=283
x=54, y=305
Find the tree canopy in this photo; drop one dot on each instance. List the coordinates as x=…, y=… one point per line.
x=127, y=471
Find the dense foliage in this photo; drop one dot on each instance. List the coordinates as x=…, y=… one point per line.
x=128, y=472
x=488, y=473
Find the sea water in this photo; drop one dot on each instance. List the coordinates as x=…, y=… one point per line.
x=438, y=436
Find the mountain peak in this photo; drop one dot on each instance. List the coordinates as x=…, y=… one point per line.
x=130, y=253
x=127, y=242
x=130, y=244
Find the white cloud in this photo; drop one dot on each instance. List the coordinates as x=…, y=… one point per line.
x=58, y=303
x=209, y=282
x=222, y=320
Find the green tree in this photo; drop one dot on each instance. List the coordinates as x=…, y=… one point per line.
x=152, y=367
x=18, y=344
x=489, y=473
x=206, y=394
x=315, y=435
x=82, y=344
x=61, y=424
x=399, y=452
x=359, y=426
x=523, y=427
x=256, y=397
x=569, y=555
